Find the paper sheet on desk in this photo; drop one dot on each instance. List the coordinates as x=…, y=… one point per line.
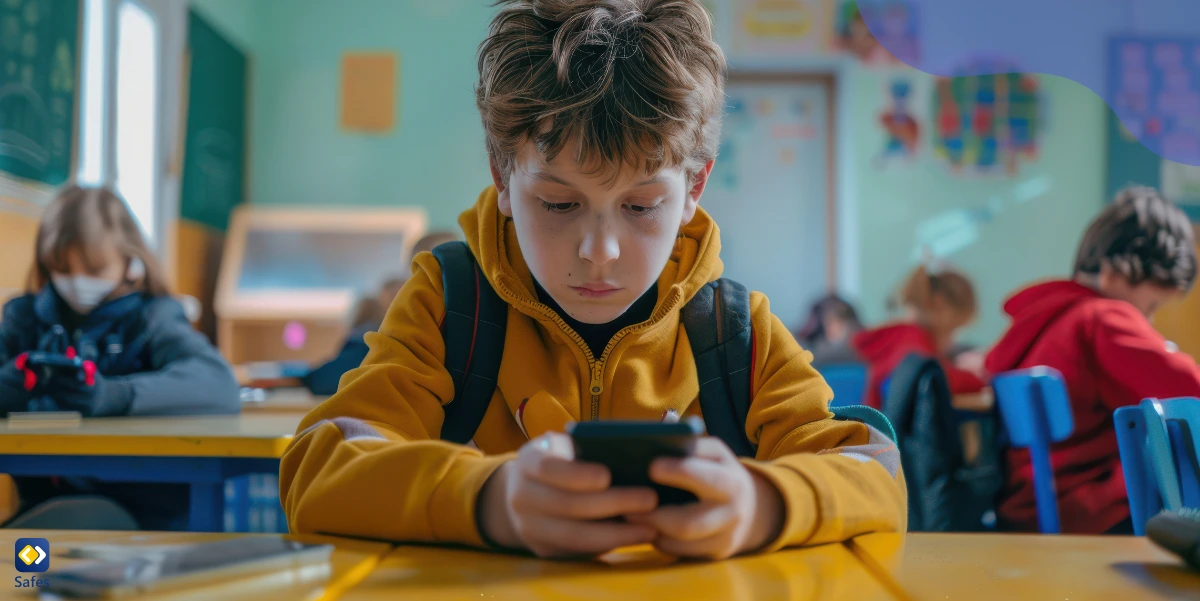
x=29, y=420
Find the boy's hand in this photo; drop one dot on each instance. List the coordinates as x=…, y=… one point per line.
x=554, y=506
x=738, y=511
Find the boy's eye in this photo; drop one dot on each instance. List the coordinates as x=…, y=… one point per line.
x=559, y=207
x=642, y=210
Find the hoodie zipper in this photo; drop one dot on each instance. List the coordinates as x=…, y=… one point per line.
x=595, y=366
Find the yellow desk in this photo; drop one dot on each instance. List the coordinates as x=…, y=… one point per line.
x=247, y=435
x=828, y=573
x=202, y=452
x=350, y=563
x=971, y=567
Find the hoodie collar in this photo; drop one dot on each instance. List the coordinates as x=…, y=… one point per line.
x=1033, y=310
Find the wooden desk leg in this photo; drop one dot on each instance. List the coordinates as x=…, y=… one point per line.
x=206, y=510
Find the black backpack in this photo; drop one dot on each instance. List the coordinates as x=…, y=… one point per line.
x=945, y=494
x=474, y=328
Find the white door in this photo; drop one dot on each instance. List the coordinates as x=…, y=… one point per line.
x=769, y=189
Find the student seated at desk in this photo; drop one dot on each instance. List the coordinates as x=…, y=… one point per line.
x=323, y=380
x=1095, y=329
x=96, y=292
x=368, y=316
x=602, y=124
x=832, y=323
x=937, y=305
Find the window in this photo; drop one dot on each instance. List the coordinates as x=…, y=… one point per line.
x=137, y=102
x=92, y=101
x=121, y=109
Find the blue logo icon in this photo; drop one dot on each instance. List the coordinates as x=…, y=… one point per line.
x=32, y=555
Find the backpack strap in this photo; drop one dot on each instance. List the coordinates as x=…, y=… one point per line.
x=473, y=330
x=717, y=322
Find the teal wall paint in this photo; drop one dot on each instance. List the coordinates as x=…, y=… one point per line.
x=434, y=158
x=1024, y=241
x=234, y=19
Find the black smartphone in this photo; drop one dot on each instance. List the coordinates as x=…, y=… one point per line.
x=54, y=365
x=627, y=448
x=188, y=566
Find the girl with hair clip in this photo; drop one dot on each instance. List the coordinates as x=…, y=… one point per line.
x=97, y=332
x=935, y=305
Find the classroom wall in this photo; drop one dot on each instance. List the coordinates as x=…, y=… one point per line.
x=433, y=157
x=1024, y=240
x=236, y=19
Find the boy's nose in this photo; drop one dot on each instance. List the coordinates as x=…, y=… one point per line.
x=599, y=247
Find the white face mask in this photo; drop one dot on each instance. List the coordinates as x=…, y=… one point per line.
x=81, y=292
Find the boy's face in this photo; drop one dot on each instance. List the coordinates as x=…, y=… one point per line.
x=1147, y=297
x=594, y=243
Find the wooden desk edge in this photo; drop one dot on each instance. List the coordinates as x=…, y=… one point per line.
x=59, y=443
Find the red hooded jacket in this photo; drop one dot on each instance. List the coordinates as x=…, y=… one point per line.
x=884, y=348
x=1110, y=356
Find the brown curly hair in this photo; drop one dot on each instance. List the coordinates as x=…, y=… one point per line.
x=627, y=82
x=1143, y=237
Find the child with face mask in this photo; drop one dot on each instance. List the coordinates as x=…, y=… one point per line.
x=96, y=293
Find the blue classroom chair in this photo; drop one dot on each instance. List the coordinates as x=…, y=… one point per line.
x=848, y=381
x=1037, y=413
x=1159, y=441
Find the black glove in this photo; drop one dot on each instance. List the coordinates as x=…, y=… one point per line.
x=82, y=394
x=13, y=395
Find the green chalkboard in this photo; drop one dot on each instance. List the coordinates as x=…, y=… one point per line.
x=39, y=58
x=214, y=157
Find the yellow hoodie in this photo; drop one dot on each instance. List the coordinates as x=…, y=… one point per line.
x=368, y=462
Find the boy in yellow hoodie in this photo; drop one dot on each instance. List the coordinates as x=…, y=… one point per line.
x=602, y=119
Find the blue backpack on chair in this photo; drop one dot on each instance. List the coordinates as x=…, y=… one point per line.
x=474, y=329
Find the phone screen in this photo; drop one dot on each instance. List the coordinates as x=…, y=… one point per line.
x=628, y=448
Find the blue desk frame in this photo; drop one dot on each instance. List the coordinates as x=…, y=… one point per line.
x=205, y=475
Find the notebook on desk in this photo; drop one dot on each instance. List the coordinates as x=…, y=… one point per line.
x=36, y=420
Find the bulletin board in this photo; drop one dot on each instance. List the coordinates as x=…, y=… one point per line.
x=1137, y=82
x=1153, y=86
x=773, y=28
x=39, y=75
x=778, y=148
x=368, y=92
x=985, y=124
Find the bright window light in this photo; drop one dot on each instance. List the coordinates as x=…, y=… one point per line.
x=91, y=118
x=137, y=113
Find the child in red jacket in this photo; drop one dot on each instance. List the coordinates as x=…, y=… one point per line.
x=937, y=306
x=1095, y=329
